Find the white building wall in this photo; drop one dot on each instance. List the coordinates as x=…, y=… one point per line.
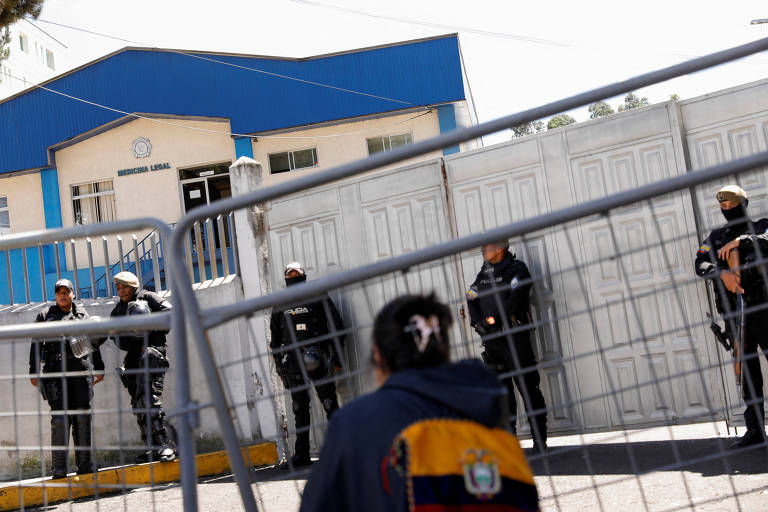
x=154, y=194
x=343, y=142
x=30, y=65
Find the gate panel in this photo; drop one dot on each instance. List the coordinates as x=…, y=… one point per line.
x=500, y=186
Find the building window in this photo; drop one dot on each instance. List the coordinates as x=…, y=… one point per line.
x=49, y=59
x=292, y=160
x=93, y=202
x=5, y=217
x=24, y=43
x=388, y=142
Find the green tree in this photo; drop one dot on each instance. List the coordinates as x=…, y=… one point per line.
x=674, y=97
x=528, y=129
x=12, y=11
x=560, y=120
x=5, y=41
x=600, y=109
x=631, y=101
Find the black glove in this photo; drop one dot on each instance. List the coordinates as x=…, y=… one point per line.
x=484, y=327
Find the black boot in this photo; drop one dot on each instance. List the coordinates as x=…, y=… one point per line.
x=59, y=437
x=81, y=431
x=750, y=438
x=301, y=456
x=147, y=456
x=539, y=435
x=165, y=444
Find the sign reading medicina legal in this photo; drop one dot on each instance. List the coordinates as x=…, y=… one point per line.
x=146, y=168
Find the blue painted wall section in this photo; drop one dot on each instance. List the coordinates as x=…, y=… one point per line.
x=446, y=116
x=49, y=180
x=243, y=147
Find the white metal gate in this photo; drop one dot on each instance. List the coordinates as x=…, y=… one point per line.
x=391, y=212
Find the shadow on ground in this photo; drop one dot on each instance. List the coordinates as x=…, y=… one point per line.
x=709, y=457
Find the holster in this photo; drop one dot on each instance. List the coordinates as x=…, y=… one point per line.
x=123, y=377
x=50, y=390
x=491, y=363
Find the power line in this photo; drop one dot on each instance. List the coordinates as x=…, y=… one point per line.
x=217, y=132
x=238, y=66
x=490, y=33
x=439, y=25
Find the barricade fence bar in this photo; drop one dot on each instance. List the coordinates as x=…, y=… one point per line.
x=679, y=377
x=217, y=316
x=64, y=380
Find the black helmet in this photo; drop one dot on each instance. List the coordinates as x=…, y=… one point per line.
x=138, y=307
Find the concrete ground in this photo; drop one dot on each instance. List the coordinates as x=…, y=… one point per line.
x=682, y=468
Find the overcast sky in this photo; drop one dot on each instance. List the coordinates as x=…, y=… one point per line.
x=579, y=44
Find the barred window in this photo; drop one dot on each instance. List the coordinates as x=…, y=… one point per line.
x=388, y=142
x=93, y=202
x=292, y=160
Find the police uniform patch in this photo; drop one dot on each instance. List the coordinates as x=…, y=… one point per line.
x=513, y=284
x=301, y=327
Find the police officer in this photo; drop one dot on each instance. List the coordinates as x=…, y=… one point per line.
x=294, y=325
x=144, y=367
x=498, y=300
x=741, y=242
x=70, y=396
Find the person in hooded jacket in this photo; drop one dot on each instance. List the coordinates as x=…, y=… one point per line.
x=417, y=382
x=499, y=301
x=747, y=240
x=317, y=320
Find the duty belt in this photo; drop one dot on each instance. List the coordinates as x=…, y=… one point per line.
x=51, y=358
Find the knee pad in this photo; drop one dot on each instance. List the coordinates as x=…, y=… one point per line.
x=139, y=401
x=329, y=405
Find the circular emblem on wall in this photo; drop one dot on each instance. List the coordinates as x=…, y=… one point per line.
x=141, y=147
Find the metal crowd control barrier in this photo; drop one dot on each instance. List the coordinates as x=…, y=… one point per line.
x=393, y=275
x=25, y=414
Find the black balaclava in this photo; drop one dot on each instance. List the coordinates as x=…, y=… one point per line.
x=738, y=216
x=290, y=281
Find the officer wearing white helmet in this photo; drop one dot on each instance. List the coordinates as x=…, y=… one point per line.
x=728, y=257
x=145, y=352
x=297, y=326
x=70, y=394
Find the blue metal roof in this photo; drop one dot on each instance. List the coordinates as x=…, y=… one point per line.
x=424, y=72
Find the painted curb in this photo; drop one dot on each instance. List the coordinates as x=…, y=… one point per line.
x=43, y=492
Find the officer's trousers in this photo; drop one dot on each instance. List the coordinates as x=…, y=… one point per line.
x=301, y=410
x=73, y=395
x=145, y=385
x=756, y=340
x=500, y=359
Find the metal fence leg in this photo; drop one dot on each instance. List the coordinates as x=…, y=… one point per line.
x=191, y=311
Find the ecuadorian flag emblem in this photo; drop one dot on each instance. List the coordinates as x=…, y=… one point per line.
x=462, y=466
